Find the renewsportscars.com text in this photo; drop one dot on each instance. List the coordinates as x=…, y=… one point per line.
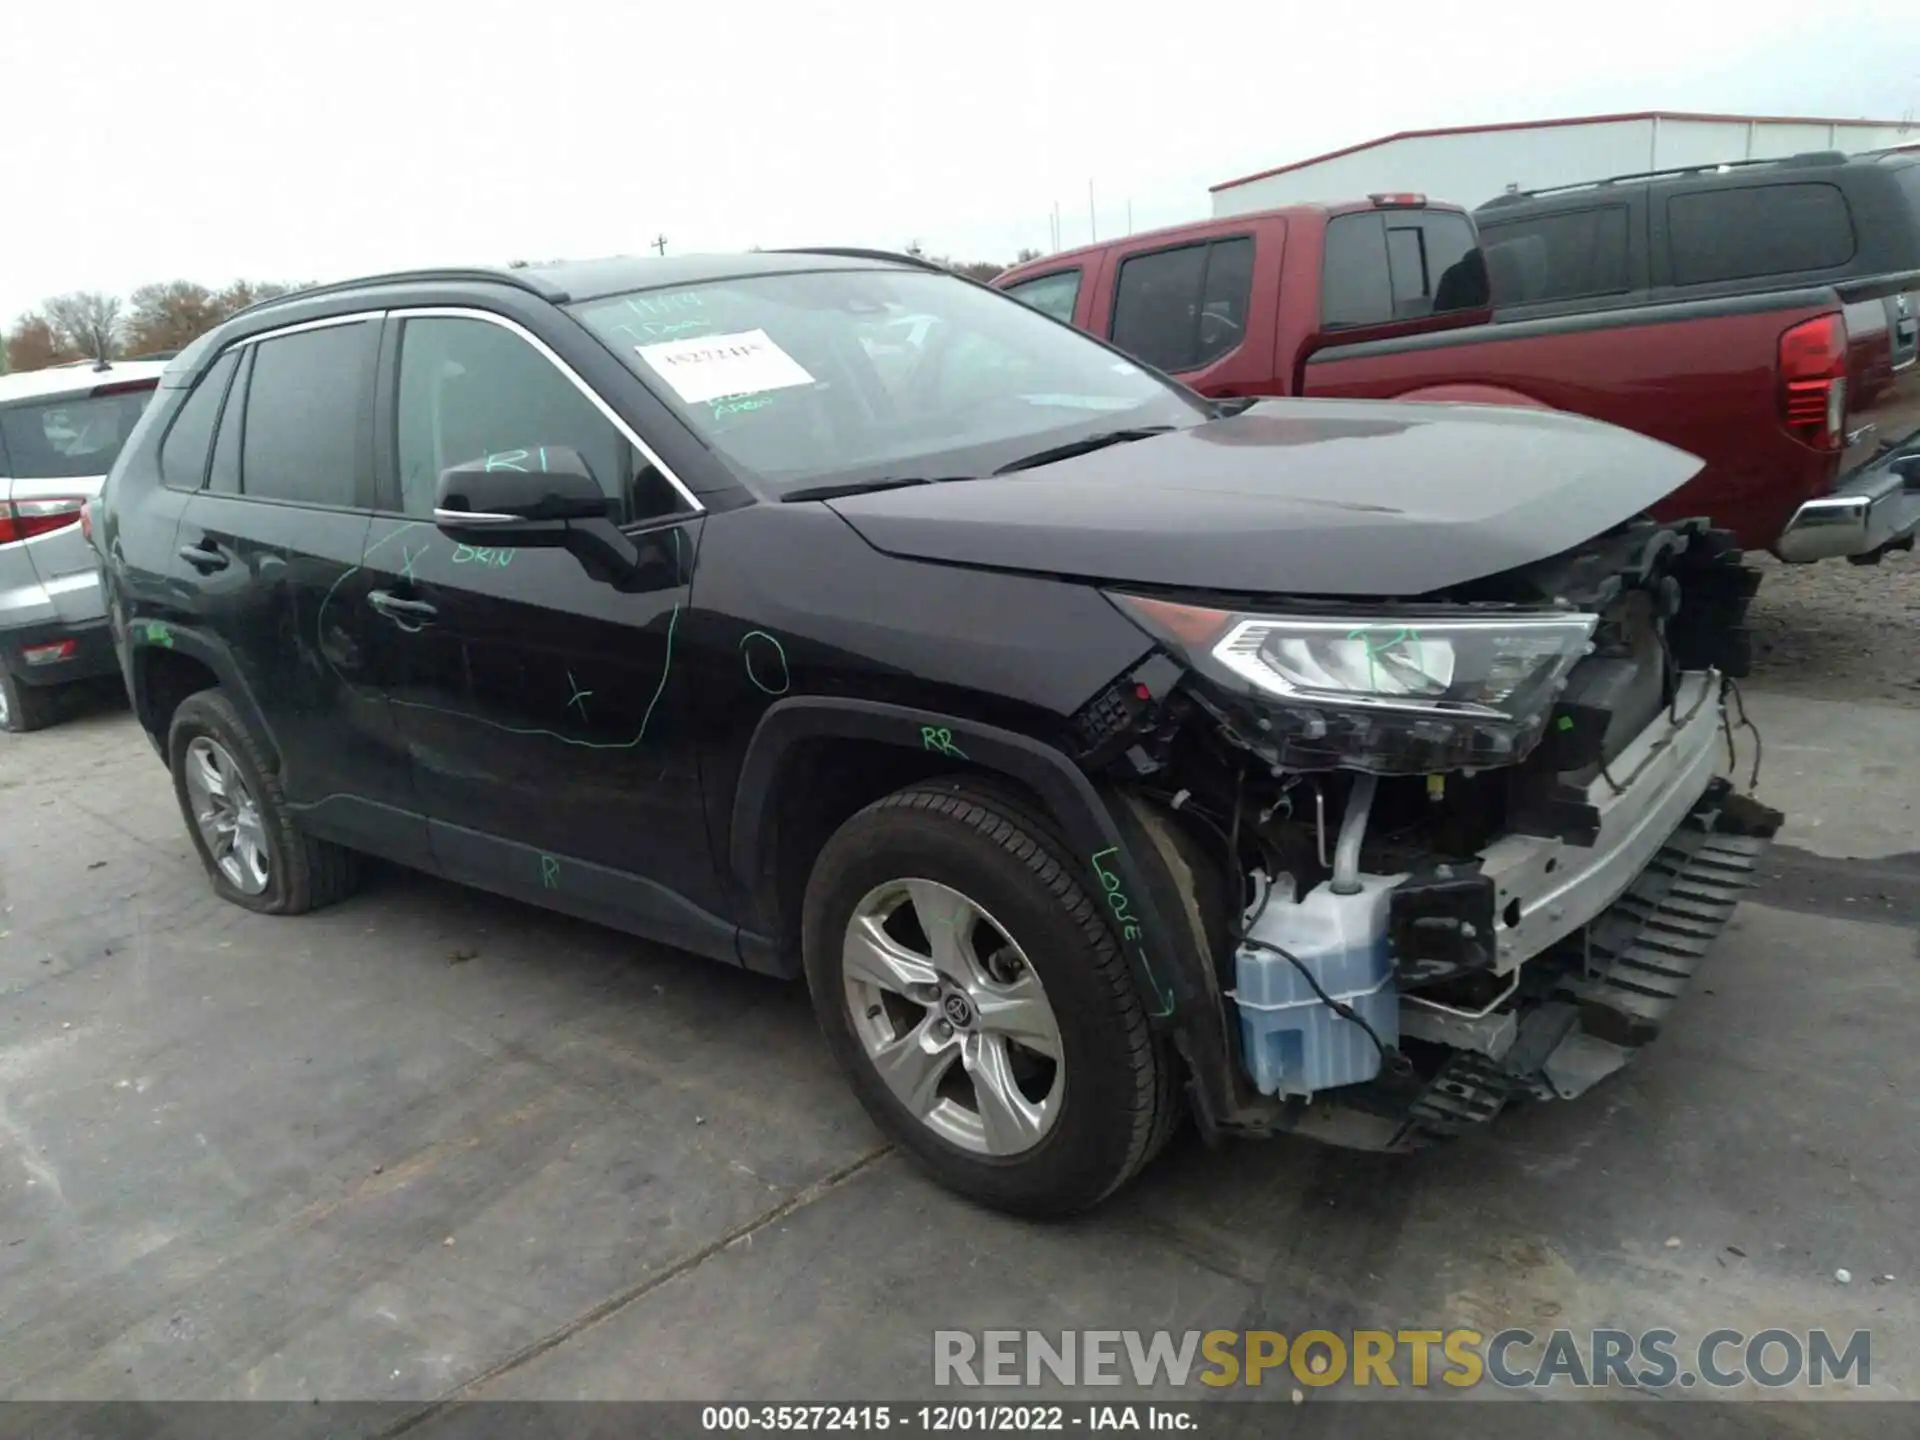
x=1512, y=1359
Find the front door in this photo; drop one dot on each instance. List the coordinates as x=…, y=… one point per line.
x=271, y=550
x=548, y=735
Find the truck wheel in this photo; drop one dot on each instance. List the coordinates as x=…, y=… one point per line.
x=24, y=707
x=976, y=997
x=254, y=853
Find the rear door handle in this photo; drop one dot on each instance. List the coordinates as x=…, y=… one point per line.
x=204, y=557
x=394, y=608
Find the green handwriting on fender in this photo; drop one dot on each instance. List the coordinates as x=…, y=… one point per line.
x=940, y=741
x=1117, y=900
x=482, y=555
x=156, y=632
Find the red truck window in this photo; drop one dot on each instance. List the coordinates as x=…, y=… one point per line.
x=1562, y=256
x=1184, y=308
x=1054, y=294
x=1399, y=265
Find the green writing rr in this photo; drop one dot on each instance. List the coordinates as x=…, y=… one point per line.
x=940, y=742
x=549, y=872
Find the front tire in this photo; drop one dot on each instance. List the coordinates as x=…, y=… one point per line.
x=255, y=855
x=978, y=1002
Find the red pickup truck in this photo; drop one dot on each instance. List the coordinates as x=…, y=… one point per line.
x=1761, y=317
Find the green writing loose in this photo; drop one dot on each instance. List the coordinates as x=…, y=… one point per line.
x=482, y=555
x=158, y=633
x=940, y=742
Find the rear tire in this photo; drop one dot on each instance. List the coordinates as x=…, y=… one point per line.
x=984, y=1107
x=255, y=854
x=25, y=707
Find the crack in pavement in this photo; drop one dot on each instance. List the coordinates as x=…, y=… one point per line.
x=614, y=1304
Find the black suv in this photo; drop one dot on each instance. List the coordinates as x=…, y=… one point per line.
x=1099, y=755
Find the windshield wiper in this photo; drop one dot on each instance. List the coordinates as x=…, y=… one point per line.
x=1083, y=447
x=862, y=487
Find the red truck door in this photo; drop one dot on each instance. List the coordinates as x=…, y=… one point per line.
x=1203, y=308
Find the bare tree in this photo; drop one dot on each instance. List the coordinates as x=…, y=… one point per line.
x=33, y=344
x=167, y=316
x=237, y=296
x=1025, y=255
x=87, y=322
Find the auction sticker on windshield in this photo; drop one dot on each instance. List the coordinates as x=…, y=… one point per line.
x=705, y=367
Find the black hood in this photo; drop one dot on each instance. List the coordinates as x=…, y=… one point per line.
x=1309, y=497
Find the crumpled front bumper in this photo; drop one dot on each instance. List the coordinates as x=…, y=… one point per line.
x=1596, y=942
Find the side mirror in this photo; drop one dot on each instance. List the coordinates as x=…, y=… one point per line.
x=545, y=496
x=518, y=497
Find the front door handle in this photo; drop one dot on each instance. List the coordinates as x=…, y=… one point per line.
x=204, y=557
x=394, y=608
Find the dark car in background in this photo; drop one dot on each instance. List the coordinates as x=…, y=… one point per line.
x=1100, y=755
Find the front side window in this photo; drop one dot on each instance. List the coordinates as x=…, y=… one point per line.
x=470, y=388
x=849, y=375
x=301, y=438
x=1054, y=294
x=73, y=437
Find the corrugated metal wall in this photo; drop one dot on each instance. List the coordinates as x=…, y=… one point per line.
x=1472, y=168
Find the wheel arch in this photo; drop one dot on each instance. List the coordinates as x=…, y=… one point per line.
x=1168, y=965
x=169, y=662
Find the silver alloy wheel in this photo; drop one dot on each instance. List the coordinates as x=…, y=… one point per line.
x=227, y=814
x=932, y=979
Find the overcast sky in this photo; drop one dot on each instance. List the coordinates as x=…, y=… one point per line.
x=211, y=140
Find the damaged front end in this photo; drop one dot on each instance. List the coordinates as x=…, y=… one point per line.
x=1439, y=853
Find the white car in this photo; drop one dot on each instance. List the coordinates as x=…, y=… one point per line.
x=61, y=429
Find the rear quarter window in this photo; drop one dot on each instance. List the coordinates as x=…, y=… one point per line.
x=1755, y=230
x=64, y=439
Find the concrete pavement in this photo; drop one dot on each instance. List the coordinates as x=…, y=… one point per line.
x=432, y=1142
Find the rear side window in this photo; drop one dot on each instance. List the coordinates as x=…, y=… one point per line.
x=1757, y=230
x=1558, y=257
x=1181, y=309
x=1054, y=294
x=303, y=410
x=189, y=443
x=1355, y=281
x=70, y=438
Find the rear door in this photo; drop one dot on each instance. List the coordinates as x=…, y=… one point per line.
x=54, y=454
x=270, y=551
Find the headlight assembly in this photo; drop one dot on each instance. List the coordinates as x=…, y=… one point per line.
x=1398, y=693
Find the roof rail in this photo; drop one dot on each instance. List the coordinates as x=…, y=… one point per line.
x=1807, y=157
x=517, y=278
x=854, y=252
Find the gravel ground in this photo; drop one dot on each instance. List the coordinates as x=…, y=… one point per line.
x=1839, y=631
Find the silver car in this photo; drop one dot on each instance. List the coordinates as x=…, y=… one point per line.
x=60, y=431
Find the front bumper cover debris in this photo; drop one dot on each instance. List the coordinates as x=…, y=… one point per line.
x=1586, y=1006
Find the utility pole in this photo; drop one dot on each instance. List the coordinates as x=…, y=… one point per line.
x=1093, y=222
x=660, y=243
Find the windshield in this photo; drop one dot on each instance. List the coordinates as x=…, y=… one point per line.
x=845, y=376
